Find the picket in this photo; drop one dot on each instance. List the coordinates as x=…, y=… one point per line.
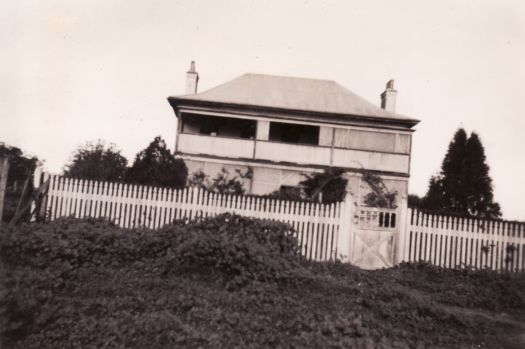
x=131, y=206
x=454, y=242
x=441, y=240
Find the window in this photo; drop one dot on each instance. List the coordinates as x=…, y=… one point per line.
x=294, y=133
x=218, y=126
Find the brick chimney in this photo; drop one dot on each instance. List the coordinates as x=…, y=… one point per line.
x=388, y=98
x=192, y=79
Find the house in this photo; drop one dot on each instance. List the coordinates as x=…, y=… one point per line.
x=281, y=127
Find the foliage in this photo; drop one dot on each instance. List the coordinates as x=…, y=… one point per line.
x=380, y=196
x=289, y=193
x=480, y=199
x=414, y=200
x=330, y=185
x=463, y=185
x=21, y=168
x=98, y=161
x=199, y=179
x=242, y=249
x=156, y=166
x=209, y=284
x=223, y=182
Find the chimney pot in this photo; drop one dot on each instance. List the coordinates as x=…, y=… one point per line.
x=388, y=97
x=192, y=79
x=192, y=67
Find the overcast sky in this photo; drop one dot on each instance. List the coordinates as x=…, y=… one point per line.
x=77, y=71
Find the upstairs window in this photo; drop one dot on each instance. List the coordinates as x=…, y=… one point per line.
x=218, y=126
x=294, y=133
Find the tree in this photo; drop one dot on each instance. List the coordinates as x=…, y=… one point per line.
x=478, y=188
x=156, y=165
x=435, y=195
x=463, y=186
x=415, y=201
x=97, y=162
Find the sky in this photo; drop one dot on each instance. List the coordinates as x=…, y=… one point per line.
x=79, y=71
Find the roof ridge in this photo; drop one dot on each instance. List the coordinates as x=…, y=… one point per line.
x=290, y=77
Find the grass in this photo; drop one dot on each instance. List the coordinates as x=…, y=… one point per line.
x=89, y=284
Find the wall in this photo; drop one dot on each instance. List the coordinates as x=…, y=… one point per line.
x=356, y=148
x=266, y=179
x=210, y=145
x=212, y=168
x=293, y=153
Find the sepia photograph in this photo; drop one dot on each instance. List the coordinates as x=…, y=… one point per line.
x=262, y=174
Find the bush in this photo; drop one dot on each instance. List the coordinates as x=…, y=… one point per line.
x=242, y=249
x=45, y=261
x=228, y=282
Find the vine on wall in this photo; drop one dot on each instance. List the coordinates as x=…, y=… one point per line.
x=380, y=196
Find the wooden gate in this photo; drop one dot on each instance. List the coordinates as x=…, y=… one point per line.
x=375, y=238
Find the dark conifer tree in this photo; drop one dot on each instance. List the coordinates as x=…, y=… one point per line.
x=453, y=173
x=435, y=196
x=463, y=186
x=478, y=189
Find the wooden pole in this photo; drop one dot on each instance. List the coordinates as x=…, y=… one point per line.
x=37, y=181
x=4, y=167
x=346, y=230
x=402, y=231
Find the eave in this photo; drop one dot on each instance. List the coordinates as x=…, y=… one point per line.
x=293, y=114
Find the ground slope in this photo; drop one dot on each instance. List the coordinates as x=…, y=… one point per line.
x=232, y=282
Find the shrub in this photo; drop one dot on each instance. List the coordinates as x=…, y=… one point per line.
x=90, y=284
x=243, y=249
x=240, y=248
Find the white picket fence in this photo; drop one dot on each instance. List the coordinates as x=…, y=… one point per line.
x=456, y=242
x=130, y=206
x=323, y=231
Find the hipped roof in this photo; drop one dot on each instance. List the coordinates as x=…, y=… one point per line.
x=290, y=93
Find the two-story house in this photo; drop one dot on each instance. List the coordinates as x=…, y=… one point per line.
x=281, y=127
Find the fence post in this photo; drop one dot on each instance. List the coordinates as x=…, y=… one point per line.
x=346, y=230
x=4, y=167
x=403, y=230
x=37, y=181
